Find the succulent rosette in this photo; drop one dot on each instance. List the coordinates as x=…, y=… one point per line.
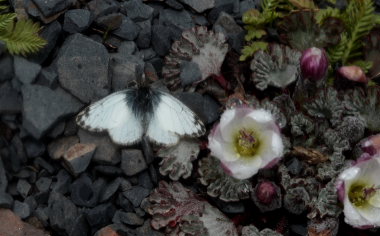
x=245, y=141
x=359, y=190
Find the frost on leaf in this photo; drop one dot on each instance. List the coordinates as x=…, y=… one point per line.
x=221, y=185
x=365, y=104
x=326, y=105
x=251, y=230
x=183, y=213
x=279, y=67
x=301, y=31
x=204, y=48
x=177, y=160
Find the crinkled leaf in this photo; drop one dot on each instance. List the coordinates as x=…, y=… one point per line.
x=279, y=67
x=221, y=185
x=251, y=230
x=177, y=160
x=276, y=112
x=301, y=125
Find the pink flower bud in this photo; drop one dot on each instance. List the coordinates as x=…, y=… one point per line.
x=266, y=192
x=314, y=64
x=353, y=73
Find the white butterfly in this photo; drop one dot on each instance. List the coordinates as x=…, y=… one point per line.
x=129, y=114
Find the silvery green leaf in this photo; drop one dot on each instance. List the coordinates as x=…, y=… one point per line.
x=221, y=185
x=276, y=112
x=301, y=125
x=177, y=160
x=251, y=230
x=279, y=67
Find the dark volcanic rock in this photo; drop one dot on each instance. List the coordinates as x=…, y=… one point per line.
x=10, y=100
x=23, y=188
x=33, y=148
x=80, y=227
x=21, y=209
x=50, y=33
x=199, y=6
x=128, y=29
x=82, y=66
x=111, y=21
x=100, y=215
x=161, y=39
x=102, y=7
x=78, y=157
x=234, y=33
x=48, y=77
x=25, y=71
x=174, y=4
x=108, y=170
x=6, y=65
x=63, y=182
x=62, y=212
x=43, y=107
x=77, y=20
x=106, y=151
x=58, y=147
x=83, y=192
x=109, y=190
x=136, y=194
x=137, y=10
x=6, y=200
x=143, y=39
x=132, y=161
x=128, y=218
x=190, y=73
x=51, y=7
x=180, y=20
x=43, y=184
x=125, y=69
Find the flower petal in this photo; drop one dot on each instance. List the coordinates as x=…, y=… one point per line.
x=244, y=169
x=352, y=215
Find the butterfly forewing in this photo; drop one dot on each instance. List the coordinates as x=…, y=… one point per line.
x=113, y=114
x=172, y=120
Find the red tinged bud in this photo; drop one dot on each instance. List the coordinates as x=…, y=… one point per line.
x=314, y=64
x=353, y=73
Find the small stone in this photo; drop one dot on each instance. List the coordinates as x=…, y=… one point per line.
x=147, y=230
x=101, y=215
x=42, y=214
x=50, y=33
x=145, y=181
x=6, y=200
x=80, y=227
x=246, y=5
x=213, y=15
x=57, y=148
x=78, y=157
x=107, y=231
x=137, y=10
x=128, y=218
x=21, y=209
x=25, y=71
x=110, y=190
x=111, y=21
x=63, y=182
x=102, y=7
x=57, y=130
x=106, y=151
x=33, y=148
x=174, y=4
x=294, y=166
x=41, y=163
x=83, y=192
x=145, y=34
x=82, y=66
x=126, y=48
x=51, y=7
x=62, y=212
x=6, y=65
x=32, y=203
x=108, y=170
x=136, y=194
x=48, y=77
x=23, y=188
x=43, y=184
x=11, y=225
x=161, y=39
x=190, y=73
x=132, y=161
x=77, y=20
x=180, y=20
x=199, y=6
x=10, y=100
x=124, y=70
x=128, y=29
x=146, y=54
x=235, y=34
x=43, y=107
x=3, y=47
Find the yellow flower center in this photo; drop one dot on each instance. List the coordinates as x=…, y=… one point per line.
x=246, y=143
x=359, y=194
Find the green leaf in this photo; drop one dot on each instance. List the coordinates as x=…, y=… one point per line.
x=364, y=65
x=303, y=4
x=249, y=50
x=6, y=19
x=22, y=37
x=254, y=33
x=322, y=14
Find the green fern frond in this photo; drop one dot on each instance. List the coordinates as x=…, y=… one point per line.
x=249, y=50
x=323, y=14
x=22, y=37
x=364, y=65
x=336, y=53
x=6, y=19
x=254, y=33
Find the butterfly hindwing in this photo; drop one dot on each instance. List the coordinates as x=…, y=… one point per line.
x=171, y=120
x=112, y=114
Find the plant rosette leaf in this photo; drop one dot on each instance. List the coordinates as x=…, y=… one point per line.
x=177, y=160
x=221, y=185
x=183, y=212
x=279, y=67
x=251, y=230
x=197, y=47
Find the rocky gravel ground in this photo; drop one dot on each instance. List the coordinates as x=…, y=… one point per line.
x=57, y=179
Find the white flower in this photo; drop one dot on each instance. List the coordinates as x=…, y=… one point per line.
x=359, y=190
x=245, y=141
